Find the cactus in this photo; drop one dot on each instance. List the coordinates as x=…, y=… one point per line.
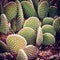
x=43, y=9
x=48, y=29
x=21, y=55
x=28, y=9
x=4, y=28
x=32, y=22
x=39, y=38
x=34, y=3
x=20, y=17
x=48, y=39
x=29, y=34
x=56, y=24
x=31, y=51
x=16, y=42
x=10, y=9
x=48, y=20
x=31, y=3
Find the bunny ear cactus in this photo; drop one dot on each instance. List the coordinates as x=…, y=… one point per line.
x=16, y=42
x=43, y=9
x=32, y=22
x=31, y=51
x=56, y=24
x=10, y=9
x=39, y=38
x=28, y=9
x=52, y=11
x=20, y=16
x=22, y=55
x=48, y=39
x=48, y=29
x=4, y=28
x=34, y=3
x=48, y=20
x=31, y=3
x=29, y=34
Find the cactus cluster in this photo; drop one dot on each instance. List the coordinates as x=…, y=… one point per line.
x=33, y=24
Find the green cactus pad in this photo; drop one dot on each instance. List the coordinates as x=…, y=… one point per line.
x=48, y=20
x=31, y=51
x=43, y=9
x=31, y=3
x=39, y=38
x=21, y=55
x=28, y=9
x=48, y=39
x=4, y=27
x=10, y=9
x=48, y=29
x=32, y=22
x=16, y=42
x=56, y=24
x=29, y=34
x=20, y=17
